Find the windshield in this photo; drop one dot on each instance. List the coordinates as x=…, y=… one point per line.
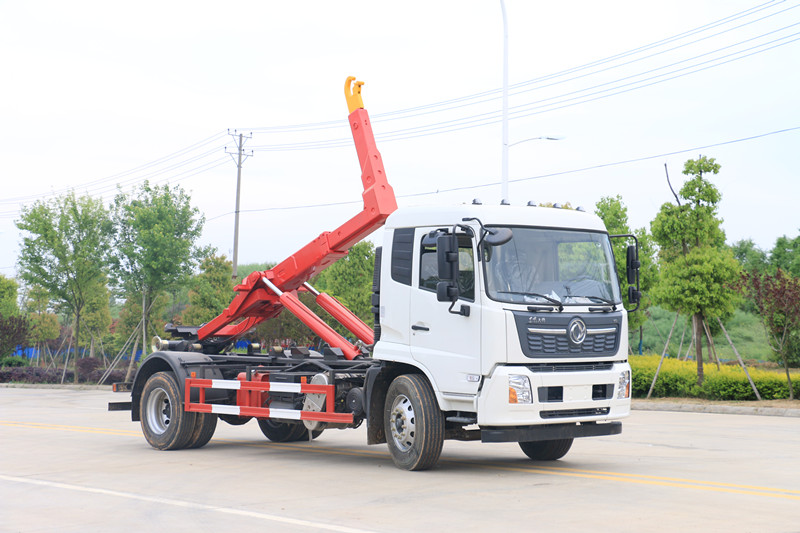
x=547, y=267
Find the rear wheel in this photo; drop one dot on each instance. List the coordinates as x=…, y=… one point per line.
x=166, y=426
x=413, y=423
x=204, y=426
x=235, y=420
x=546, y=450
x=278, y=431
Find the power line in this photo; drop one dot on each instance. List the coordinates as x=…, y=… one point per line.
x=541, y=176
x=411, y=112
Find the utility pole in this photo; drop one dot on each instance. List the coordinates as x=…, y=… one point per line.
x=238, y=157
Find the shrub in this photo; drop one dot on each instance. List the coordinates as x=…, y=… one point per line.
x=34, y=375
x=13, y=361
x=679, y=379
x=86, y=366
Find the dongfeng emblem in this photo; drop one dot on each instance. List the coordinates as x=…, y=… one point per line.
x=577, y=331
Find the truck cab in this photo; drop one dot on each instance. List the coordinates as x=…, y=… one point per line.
x=521, y=337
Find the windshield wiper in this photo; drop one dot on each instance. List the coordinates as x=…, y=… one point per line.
x=537, y=295
x=600, y=300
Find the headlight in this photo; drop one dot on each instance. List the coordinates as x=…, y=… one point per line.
x=519, y=389
x=624, y=387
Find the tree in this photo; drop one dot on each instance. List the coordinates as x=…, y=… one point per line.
x=786, y=255
x=44, y=325
x=64, y=251
x=751, y=257
x=13, y=332
x=8, y=296
x=210, y=292
x=697, y=271
x=155, y=230
x=97, y=314
x=614, y=214
x=777, y=298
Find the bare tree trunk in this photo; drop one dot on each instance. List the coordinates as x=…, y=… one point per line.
x=129, y=373
x=712, y=350
x=698, y=347
x=76, y=336
x=66, y=361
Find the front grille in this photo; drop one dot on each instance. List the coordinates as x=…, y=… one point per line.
x=570, y=367
x=572, y=413
x=557, y=343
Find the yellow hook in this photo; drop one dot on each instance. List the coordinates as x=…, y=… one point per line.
x=352, y=93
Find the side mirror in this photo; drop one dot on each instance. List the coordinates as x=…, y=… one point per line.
x=632, y=264
x=447, y=291
x=634, y=296
x=497, y=236
x=447, y=257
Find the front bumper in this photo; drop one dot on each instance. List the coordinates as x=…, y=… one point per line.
x=580, y=397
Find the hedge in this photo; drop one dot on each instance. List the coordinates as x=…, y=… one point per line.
x=679, y=379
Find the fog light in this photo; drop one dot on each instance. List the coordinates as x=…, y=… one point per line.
x=519, y=389
x=624, y=387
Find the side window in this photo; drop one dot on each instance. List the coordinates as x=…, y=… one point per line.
x=429, y=272
x=402, y=253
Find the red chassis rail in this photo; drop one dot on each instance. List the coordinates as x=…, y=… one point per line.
x=251, y=397
x=263, y=295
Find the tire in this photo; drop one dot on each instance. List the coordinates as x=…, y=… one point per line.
x=235, y=420
x=413, y=423
x=546, y=450
x=278, y=431
x=166, y=426
x=204, y=426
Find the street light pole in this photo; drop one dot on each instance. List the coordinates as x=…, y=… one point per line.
x=504, y=169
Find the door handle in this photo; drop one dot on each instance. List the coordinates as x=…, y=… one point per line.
x=420, y=328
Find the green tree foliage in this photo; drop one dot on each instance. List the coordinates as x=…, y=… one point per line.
x=44, y=325
x=98, y=313
x=697, y=270
x=8, y=296
x=777, y=298
x=155, y=230
x=786, y=255
x=210, y=292
x=614, y=214
x=64, y=250
x=751, y=257
x=14, y=331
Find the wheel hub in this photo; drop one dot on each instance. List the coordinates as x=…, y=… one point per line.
x=159, y=411
x=403, y=423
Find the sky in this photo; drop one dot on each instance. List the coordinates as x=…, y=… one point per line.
x=101, y=95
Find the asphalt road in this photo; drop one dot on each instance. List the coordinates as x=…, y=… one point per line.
x=69, y=465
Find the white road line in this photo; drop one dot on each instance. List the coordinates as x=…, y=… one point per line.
x=190, y=505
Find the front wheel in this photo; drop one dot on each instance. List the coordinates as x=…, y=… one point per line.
x=166, y=426
x=546, y=450
x=413, y=423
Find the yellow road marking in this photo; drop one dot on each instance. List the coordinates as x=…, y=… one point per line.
x=621, y=477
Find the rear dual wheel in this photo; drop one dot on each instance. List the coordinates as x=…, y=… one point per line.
x=165, y=425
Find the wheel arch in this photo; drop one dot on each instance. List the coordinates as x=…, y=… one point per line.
x=162, y=362
x=377, y=383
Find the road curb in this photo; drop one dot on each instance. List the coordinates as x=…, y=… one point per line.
x=716, y=409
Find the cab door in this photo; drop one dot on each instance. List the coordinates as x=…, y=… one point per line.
x=447, y=344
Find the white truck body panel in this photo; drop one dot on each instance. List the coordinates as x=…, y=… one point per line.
x=468, y=359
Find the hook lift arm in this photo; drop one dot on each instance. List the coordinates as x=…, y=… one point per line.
x=263, y=295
